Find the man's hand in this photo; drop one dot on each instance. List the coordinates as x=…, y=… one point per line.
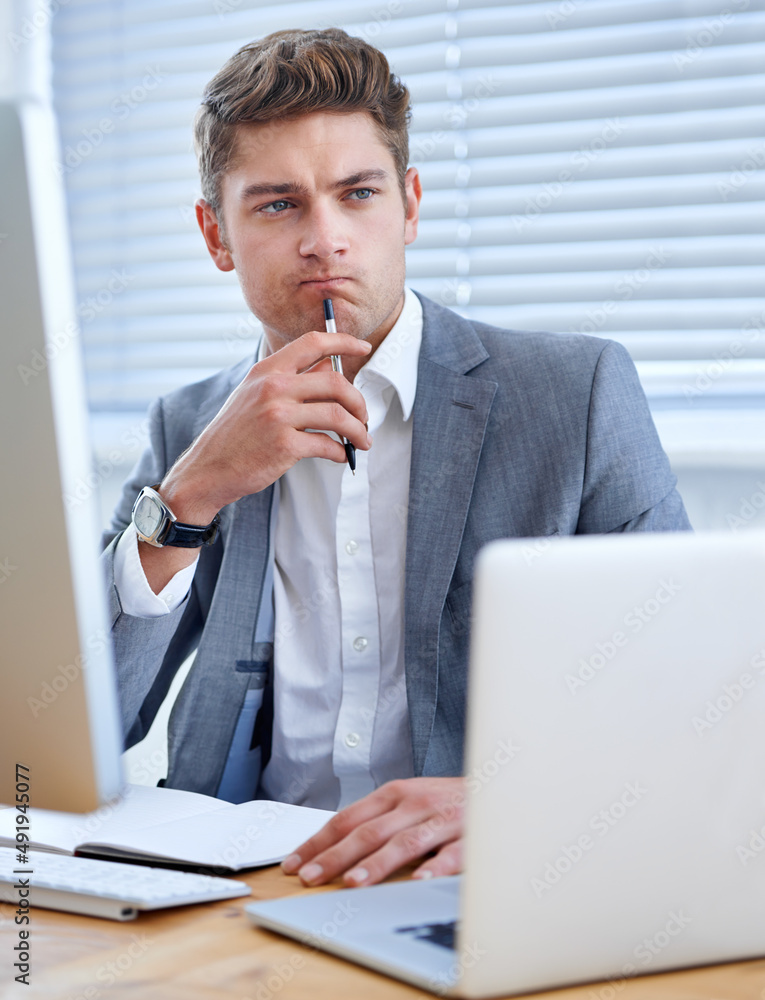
x=259, y=433
x=396, y=824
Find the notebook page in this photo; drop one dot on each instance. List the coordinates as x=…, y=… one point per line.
x=242, y=836
x=141, y=806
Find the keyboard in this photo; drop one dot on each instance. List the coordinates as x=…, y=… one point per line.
x=106, y=888
x=440, y=934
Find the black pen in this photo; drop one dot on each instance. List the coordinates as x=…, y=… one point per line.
x=337, y=366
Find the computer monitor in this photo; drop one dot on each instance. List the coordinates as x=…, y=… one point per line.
x=58, y=702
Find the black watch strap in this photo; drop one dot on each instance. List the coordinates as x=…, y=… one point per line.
x=190, y=536
x=187, y=536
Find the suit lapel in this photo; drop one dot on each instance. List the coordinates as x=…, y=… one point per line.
x=208, y=706
x=450, y=414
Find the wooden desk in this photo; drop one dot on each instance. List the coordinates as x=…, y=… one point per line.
x=211, y=952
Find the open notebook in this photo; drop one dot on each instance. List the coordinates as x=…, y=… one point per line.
x=168, y=825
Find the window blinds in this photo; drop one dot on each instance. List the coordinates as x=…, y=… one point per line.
x=588, y=165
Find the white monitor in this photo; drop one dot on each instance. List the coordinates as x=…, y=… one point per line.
x=58, y=708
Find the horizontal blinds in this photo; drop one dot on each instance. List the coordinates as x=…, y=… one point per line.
x=588, y=166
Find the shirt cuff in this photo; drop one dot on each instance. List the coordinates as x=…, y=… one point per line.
x=136, y=596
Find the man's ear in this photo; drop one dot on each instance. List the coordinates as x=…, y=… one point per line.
x=413, y=189
x=212, y=232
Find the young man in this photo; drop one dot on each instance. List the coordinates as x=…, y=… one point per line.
x=331, y=621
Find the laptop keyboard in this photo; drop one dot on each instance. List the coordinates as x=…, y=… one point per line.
x=440, y=934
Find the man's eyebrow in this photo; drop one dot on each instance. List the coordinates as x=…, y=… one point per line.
x=292, y=187
x=373, y=174
x=256, y=190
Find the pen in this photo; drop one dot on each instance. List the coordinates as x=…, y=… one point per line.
x=337, y=366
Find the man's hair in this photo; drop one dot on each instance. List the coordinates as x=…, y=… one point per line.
x=292, y=73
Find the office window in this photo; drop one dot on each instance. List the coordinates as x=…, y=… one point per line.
x=591, y=165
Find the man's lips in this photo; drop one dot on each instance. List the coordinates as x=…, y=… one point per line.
x=324, y=281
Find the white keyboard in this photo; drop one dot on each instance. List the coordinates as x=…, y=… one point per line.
x=107, y=888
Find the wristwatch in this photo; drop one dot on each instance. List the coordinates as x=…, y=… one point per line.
x=156, y=524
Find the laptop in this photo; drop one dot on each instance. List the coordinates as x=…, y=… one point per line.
x=615, y=820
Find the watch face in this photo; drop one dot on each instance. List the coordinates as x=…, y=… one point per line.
x=147, y=516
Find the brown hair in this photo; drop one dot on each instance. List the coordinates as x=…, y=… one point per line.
x=292, y=73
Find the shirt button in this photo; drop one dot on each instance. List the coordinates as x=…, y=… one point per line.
x=360, y=644
x=352, y=740
x=169, y=598
x=352, y=548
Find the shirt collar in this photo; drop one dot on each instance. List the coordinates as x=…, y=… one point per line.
x=395, y=361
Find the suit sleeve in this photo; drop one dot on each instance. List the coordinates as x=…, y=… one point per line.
x=628, y=484
x=144, y=666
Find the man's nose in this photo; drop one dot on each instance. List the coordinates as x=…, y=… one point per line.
x=323, y=233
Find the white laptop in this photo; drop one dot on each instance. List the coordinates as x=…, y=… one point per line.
x=616, y=745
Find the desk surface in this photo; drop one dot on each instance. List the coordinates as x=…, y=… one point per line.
x=211, y=952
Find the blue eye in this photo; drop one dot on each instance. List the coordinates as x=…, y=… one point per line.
x=275, y=207
x=363, y=194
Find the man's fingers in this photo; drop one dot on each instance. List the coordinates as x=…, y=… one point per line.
x=382, y=845
x=398, y=823
x=359, y=847
x=340, y=826
x=448, y=861
x=401, y=849
x=320, y=386
x=332, y=417
x=308, y=350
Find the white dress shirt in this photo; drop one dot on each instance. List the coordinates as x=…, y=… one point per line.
x=341, y=725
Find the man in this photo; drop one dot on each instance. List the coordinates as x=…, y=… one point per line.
x=331, y=621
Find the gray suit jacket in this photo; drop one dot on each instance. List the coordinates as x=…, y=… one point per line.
x=515, y=435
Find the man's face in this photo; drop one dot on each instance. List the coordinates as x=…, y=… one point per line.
x=313, y=210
